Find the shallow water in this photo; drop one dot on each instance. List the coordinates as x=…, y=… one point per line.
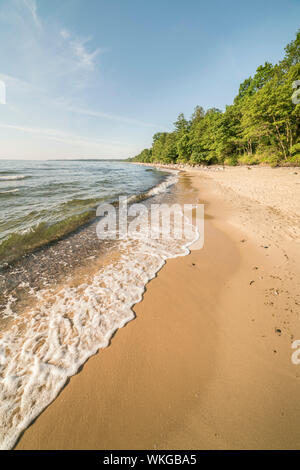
x=62, y=303
x=41, y=201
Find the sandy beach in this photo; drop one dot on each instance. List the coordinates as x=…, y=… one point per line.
x=206, y=364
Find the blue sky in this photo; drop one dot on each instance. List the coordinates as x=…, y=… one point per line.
x=96, y=79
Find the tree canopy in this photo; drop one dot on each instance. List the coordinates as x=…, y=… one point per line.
x=262, y=124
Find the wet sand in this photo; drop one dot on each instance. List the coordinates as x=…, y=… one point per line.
x=207, y=361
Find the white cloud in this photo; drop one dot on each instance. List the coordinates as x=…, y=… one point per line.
x=65, y=34
x=22, y=86
x=113, y=117
x=17, y=82
x=32, y=7
x=78, y=49
x=55, y=68
x=69, y=138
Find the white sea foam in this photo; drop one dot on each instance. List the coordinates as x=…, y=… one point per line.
x=12, y=177
x=161, y=187
x=9, y=191
x=40, y=351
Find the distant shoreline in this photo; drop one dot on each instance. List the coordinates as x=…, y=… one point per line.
x=216, y=167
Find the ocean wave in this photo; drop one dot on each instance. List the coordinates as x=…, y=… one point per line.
x=20, y=243
x=69, y=325
x=82, y=203
x=13, y=177
x=9, y=191
x=158, y=189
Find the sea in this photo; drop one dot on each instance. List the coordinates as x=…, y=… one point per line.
x=43, y=200
x=63, y=291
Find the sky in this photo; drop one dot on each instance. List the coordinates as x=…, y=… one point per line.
x=96, y=79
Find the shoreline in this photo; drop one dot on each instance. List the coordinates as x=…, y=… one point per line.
x=212, y=167
x=51, y=263
x=71, y=320
x=58, y=231
x=202, y=365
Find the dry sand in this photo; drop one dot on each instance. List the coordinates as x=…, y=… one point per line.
x=207, y=361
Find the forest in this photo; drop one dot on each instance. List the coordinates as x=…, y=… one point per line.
x=262, y=125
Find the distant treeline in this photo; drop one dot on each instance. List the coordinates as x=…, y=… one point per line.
x=261, y=126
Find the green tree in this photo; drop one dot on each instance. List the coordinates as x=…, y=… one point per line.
x=262, y=124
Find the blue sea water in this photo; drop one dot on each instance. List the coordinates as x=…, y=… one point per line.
x=41, y=200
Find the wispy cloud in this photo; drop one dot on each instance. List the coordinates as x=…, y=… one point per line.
x=23, y=86
x=78, y=48
x=55, y=77
x=32, y=7
x=17, y=82
x=66, y=137
x=112, y=117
